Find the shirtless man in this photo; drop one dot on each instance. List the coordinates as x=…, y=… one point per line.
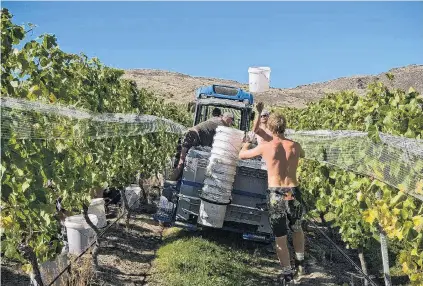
x=284, y=196
x=260, y=132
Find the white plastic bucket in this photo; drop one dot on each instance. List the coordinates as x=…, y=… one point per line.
x=97, y=207
x=211, y=215
x=219, y=183
x=221, y=176
x=228, y=146
x=232, y=135
x=259, y=79
x=228, y=139
x=132, y=194
x=80, y=234
x=218, y=168
x=219, y=159
x=225, y=153
x=230, y=131
x=216, y=194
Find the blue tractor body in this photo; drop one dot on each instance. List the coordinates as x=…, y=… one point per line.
x=225, y=92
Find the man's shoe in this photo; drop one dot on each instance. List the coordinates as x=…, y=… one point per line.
x=300, y=270
x=286, y=279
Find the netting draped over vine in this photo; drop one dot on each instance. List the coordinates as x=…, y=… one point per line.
x=24, y=119
x=395, y=160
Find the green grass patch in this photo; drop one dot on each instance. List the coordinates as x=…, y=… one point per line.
x=186, y=259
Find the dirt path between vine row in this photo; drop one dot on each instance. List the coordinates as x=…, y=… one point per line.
x=126, y=257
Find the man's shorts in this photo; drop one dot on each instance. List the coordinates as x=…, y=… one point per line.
x=285, y=209
x=191, y=139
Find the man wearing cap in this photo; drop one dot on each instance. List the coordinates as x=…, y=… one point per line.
x=201, y=135
x=260, y=131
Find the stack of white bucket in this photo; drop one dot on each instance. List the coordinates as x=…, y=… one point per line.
x=220, y=176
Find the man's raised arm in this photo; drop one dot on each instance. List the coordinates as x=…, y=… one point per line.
x=256, y=126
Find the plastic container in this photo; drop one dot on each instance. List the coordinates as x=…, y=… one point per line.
x=219, y=168
x=211, y=215
x=229, y=146
x=220, y=176
x=165, y=210
x=222, y=153
x=223, y=184
x=216, y=159
x=227, y=138
x=97, y=208
x=259, y=79
x=224, y=131
x=132, y=194
x=215, y=194
x=79, y=233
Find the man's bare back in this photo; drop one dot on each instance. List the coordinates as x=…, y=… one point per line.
x=281, y=156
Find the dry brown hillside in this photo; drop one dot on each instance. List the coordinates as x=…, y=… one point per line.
x=180, y=88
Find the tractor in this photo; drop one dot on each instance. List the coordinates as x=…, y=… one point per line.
x=246, y=214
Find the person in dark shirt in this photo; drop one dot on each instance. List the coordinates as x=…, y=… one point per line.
x=216, y=112
x=200, y=135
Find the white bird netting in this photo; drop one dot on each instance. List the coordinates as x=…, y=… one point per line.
x=35, y=120
x=397, y=161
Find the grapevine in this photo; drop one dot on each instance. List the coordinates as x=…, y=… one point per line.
x=35, y=173
x=350, y=199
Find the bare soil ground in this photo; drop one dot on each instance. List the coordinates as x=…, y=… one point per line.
x=126, y=256
x=11, y=274
x=325, y=265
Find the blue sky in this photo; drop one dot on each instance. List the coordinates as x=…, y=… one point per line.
x=302, y=42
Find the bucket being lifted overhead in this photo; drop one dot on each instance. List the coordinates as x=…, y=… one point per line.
x=259, y=79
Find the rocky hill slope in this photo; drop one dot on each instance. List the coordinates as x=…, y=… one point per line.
x=180, y=88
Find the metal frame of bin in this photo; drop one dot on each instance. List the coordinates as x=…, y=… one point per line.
x=245, y=214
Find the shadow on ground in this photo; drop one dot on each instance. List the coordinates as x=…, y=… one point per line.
x=127, y=251
x=11, y=277
x=326, y=266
